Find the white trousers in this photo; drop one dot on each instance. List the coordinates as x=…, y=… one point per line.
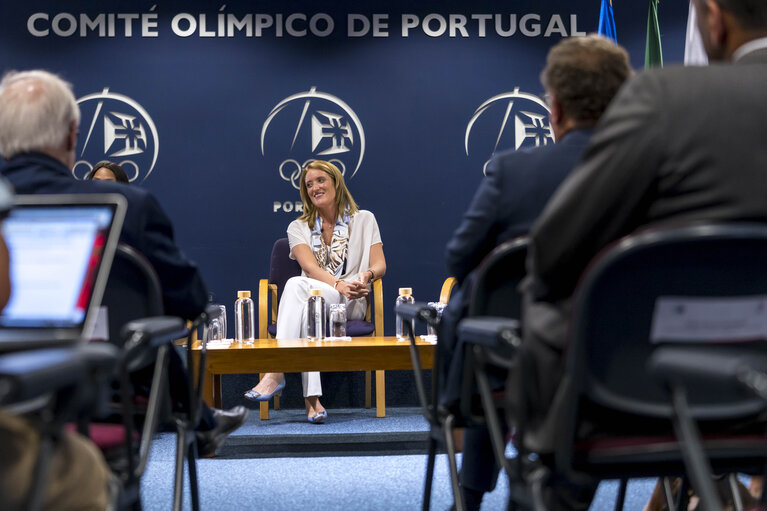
x=291, y=319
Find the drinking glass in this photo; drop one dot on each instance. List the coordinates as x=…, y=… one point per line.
x=338, y=320
x=217, y=325
x=439, y=307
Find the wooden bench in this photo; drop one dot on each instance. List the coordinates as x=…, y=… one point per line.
x=377, y=354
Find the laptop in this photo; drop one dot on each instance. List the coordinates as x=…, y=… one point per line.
x=61, y=249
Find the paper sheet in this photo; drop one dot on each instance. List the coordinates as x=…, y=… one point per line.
x=696, y=319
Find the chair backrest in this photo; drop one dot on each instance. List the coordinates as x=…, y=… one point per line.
x=281, y=266
x=614, y=309
x=496, y=281
x=133, y=291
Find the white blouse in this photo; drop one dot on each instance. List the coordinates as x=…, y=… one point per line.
x=363, y=233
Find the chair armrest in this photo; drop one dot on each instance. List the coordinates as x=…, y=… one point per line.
x=263, y=308
x=689, y=365
x=379, y=308
x=447, y=289
x=417, y=310
x=26, y=375
x=490, y=331
x=154, y=331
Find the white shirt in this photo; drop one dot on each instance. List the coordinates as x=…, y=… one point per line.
x=749, y=47
x=363, y=233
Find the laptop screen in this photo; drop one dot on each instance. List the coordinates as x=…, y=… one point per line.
x=60, y=249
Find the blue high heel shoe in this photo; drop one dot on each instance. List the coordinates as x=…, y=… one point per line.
x=318, y=418
x=255, y=396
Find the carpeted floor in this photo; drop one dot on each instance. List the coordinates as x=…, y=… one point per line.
x=353, y=462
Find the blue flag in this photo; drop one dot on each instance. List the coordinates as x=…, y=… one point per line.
x=607, y=21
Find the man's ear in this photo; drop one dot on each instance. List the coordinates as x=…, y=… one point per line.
x=555, y=115
x=72, y=138
x=715, y=23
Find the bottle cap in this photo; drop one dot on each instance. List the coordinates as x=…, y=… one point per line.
x=406, y=291
x=243, y=294
x=315, y=292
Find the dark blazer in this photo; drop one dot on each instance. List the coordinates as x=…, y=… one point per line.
x=146, y=228
x=510, y=198
x=678, y=145
x=508, y=201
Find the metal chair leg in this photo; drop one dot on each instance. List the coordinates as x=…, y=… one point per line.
x=491, y=415
x=460, y=504
x=696, y=463
x=621, y=497
x=668, y=494
x=193, y=486
x=429, y=473
x=737, y=502
x=178, y=483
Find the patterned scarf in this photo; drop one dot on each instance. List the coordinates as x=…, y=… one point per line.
x=333, y=257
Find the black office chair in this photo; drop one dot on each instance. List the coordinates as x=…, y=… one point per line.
x=610, y=341
x=495, y=294
x=442, y=421
x=683, y=367
x=133, y=291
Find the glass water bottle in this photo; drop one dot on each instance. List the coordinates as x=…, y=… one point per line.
x=244, y=318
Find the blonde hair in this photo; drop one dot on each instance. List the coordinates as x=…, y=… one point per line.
x=344, y=199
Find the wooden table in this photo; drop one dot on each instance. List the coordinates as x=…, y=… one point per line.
x=296, y=355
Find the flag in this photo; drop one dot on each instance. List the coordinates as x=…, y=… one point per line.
x=653, y=53
x=607, y=21
x=694, y=53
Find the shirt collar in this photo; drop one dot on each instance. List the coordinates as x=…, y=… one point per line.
x=749, y=47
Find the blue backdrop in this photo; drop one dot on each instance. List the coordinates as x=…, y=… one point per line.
x=213, y=106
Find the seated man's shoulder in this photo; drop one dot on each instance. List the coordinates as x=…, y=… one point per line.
x=133, y=194
x=514, y=160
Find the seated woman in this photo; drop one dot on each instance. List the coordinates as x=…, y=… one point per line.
x=105, y=170
x=340, y=252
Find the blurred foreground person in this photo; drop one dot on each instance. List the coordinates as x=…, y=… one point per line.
x=39, y=120
x=677, y=146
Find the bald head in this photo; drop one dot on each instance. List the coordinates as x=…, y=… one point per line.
x=38, y=112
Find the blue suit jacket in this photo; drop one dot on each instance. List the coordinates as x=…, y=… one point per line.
x=146, y=228
x=510, y=198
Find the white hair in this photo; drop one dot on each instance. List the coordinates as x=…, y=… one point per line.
x=37, y=109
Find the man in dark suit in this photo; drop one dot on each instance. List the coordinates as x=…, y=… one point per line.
x=39, y=120
x=677, y=146
x=581, y=77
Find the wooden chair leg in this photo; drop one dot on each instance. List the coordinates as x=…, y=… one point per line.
x=380, y=394
x=263, y=406
x=368, y=389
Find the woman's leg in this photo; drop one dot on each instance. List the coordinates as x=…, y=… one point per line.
x=291, y=324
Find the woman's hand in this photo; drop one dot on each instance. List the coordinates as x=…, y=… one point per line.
x=365, y=277
x=352, y=290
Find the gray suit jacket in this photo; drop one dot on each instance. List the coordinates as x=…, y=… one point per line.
x=677, y=146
